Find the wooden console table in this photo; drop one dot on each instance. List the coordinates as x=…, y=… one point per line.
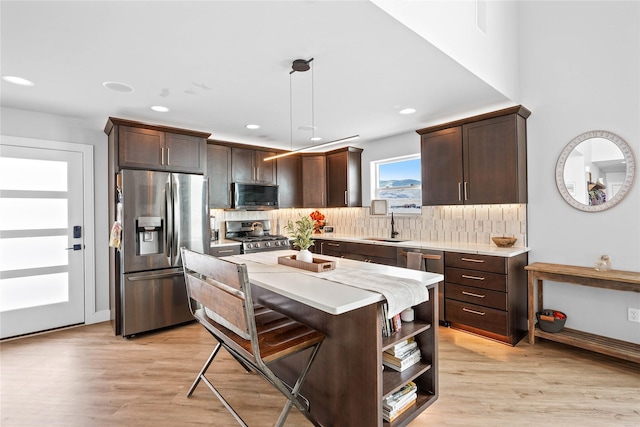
x=618, y=280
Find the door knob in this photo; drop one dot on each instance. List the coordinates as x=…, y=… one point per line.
x=74, y=248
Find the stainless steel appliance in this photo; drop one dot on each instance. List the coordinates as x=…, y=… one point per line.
x=161, y=212
x=432, y=264
x=254, y=196
x=255, y=236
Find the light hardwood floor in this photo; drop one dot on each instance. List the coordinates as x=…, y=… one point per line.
x=86, y=376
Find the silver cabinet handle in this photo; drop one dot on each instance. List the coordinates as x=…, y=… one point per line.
x=345, y=198
x=471, y=294
x=472, y=277
x=334, y=244
x=472, y=260
x=161, y=156
x=466, y=195
x=460, y=191
x=168, y=161
x=479, y=313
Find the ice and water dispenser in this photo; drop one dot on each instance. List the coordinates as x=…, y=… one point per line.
x=150, y=235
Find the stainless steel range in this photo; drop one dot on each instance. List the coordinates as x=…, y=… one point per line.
x=255, y=236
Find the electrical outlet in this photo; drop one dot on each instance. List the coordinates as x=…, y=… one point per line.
x=633, y=314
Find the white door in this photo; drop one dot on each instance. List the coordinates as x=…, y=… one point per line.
x=41, y=261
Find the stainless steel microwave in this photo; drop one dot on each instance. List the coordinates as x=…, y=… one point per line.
x=254, y=196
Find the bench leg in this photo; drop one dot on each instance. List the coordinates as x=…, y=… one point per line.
x=204, y=369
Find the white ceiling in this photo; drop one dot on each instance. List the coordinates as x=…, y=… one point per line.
x=225, y=64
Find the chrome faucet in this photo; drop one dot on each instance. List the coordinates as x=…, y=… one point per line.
x=394, y=233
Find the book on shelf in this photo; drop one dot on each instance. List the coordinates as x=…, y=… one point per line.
x=398, y=364
x=403, y=347
x=399, y=398
x=389, y=326
x=392, y=415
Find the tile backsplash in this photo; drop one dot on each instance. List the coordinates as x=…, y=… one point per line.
x=458, y=224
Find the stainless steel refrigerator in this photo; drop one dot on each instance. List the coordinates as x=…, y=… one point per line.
x=161, y=212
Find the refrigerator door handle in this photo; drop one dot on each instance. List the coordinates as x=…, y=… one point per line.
x=176, y=223
x=168, y=205
x=154, y=276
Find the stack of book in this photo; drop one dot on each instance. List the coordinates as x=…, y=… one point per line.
x=389, y=326
x=398, y=402
x=402, y=355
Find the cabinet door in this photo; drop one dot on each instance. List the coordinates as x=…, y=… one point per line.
x=289, y=180
x=313, y=181
x=242, y=169
x=265, y=171
x=248, y=166
x=184, y=153
x=344, y=188
x=441, y=157
x=140, y=148
x=492, y=170
x=219, y=173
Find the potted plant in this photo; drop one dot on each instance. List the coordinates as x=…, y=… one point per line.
x=302, y=233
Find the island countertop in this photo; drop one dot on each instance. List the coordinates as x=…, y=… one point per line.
x=315, y=291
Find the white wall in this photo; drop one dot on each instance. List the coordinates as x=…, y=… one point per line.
x=481, y=35
x=579, y=68
x=28, y=124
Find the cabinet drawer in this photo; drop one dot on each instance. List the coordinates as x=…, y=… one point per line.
x=379, y=251
x=225, y=250
x=330, y=247
x=483, y=297
x=477, y=279
x=488, y=263
x=488, y=319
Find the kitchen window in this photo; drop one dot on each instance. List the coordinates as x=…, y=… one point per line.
x=398, y=181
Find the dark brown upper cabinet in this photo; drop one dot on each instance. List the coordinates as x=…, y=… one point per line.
x=344, y=177
x=479, y=160
x=314, y=184
x=219, y=173
x=248, y=166
x=289, y=179
x=141, y=146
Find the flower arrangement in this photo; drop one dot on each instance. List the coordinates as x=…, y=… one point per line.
x=301, y=231
x=319, y=221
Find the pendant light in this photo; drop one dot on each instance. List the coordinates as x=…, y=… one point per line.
x=303, y=65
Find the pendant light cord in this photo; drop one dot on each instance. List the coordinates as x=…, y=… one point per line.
x=290, y=112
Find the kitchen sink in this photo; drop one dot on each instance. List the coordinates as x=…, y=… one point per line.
x=384, y=239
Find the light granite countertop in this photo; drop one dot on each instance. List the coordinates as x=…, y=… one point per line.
x=468, y=248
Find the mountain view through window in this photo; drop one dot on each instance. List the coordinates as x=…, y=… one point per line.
x=399, y=182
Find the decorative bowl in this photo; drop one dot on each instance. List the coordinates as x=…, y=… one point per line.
x=504, y=242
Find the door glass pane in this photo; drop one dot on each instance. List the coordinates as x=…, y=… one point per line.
x=33, y=291
x=26, y=174
x=33, y=252
x=33, y=214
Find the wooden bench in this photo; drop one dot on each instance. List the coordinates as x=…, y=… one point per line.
x=254, y=335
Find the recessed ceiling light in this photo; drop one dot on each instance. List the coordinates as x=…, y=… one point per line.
x=118, y=87
x=252, y=127
x=159, y=108
x=18, y=80
x=407, y=111
x=315, y=138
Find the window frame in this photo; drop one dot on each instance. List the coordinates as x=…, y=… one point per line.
x=376, y=180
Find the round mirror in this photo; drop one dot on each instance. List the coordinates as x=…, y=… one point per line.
x=595, y=171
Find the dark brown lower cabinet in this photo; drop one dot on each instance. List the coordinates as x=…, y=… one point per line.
x=487, y=295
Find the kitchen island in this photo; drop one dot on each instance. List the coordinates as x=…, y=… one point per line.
x=347, y=383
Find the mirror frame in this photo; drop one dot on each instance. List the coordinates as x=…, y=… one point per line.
x=628, y=180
